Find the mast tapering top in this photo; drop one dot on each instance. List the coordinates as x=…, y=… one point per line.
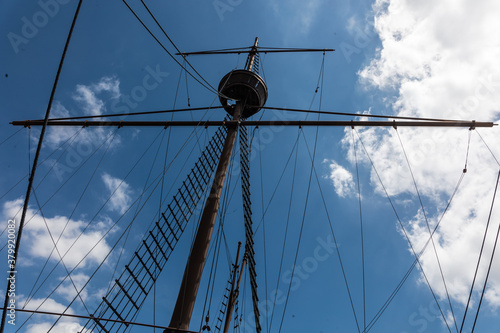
x=245, y=86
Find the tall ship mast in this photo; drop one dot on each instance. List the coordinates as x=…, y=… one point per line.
x=236, y=216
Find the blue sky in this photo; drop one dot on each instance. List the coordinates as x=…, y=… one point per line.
x=392, y=57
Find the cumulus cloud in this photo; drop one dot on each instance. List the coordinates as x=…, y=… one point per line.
x=87, y=95
x=67, y=290
x=65, y=325
x=120, y=193
x=341, y=178
x=90, y=101
x=62, y=327
x=39, y=244
x=439, y=60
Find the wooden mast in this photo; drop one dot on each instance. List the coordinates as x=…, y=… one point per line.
x=184, y=305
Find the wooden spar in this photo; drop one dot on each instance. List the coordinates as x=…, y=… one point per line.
x=183, y=310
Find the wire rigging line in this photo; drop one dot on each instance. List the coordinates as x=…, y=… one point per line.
x=296, y=150
x=263, y=222
x=467, y=153
x=108, y=115
x=187, y=89
x=361, y=229
x=109, y=230
x=207, y=86
x=59, y=253
x=29, y=152
x=83, y=231
x=175, y=46
x=334, y=239
x=72, y=138
x=211, y=277
x=94, y=318
x=28, y=299
x=405, y=277
x=129, y=227
x=492, y=256
x=111, y=135
x=428, y=226
x=362, y=115
x=479, y=259
x=35, y=162
x=403, y=229
x=300, y=234
x=10, y=136
x=496, y=160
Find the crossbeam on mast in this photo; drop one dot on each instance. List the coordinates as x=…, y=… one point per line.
x=234, y=123
x=258, y=49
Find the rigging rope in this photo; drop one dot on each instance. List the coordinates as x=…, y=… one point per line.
x=30, y=296
x=72, y=138
x=492, y=256
x=479, y=260
x=35, y=163
x=175, y=46
x=129, y=226
x=407, y=274
x=208, y=86
x=334, y=239
x=296, y=149
x=361, y=230
x=402, y=228
x=263, y=221
x=109, y=230
x=405, y=277
x=494, y=157
x=10, y=136
x=28, y=299
x=59, y=253
x=428, y=226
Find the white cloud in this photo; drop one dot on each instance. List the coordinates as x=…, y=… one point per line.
x=67, y=290
x=48, y=305
x=90, y=103
x=39, y=244
x=341, y=178
x=440, y=59
x=65, y=324
x=120, y=193
x=61, y=327
x=87, y=95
